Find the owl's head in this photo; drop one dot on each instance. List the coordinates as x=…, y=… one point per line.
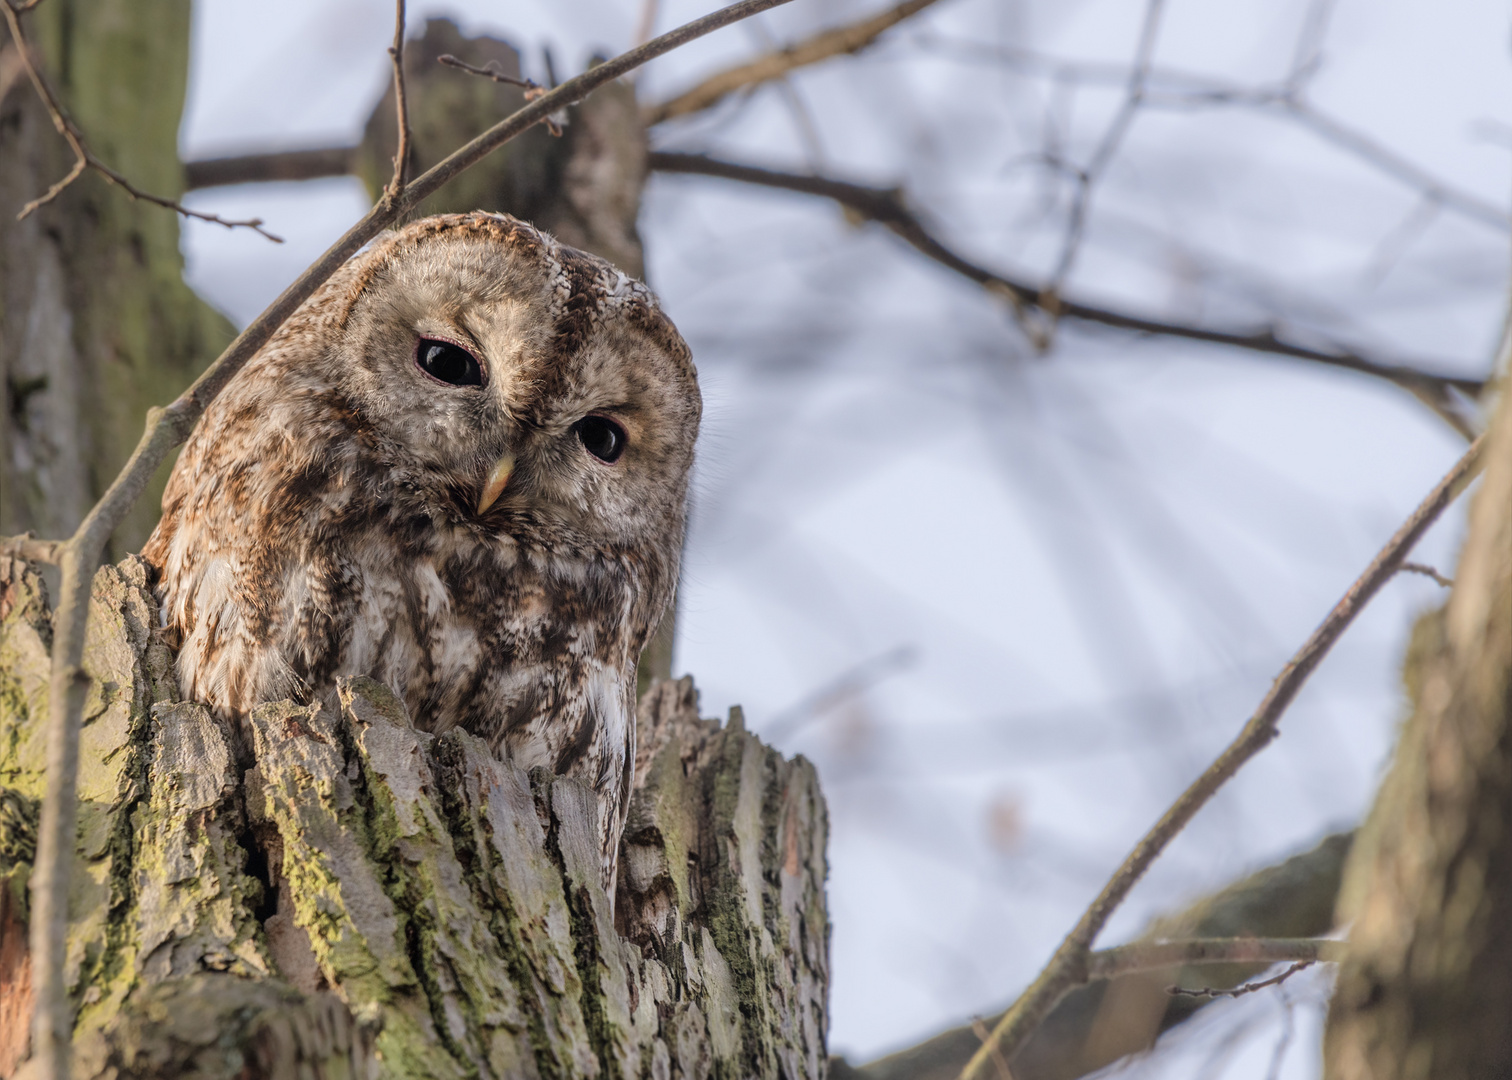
x=525, y=380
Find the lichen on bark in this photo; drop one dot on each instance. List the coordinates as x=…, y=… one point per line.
x=345, y=894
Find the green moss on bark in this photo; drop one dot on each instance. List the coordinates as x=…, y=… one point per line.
x=95, y=318
x=452, y=901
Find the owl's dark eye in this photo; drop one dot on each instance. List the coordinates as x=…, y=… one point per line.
x=602, y=438
x=447, y=362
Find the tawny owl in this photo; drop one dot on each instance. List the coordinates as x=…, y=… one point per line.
x=459, y=469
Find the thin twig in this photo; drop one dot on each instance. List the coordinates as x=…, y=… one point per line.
x=1173, y=88
x=28, y=547
x=401, y=105
x=1070, y=965
x=166, y=428
x=1113, y=137
x=887, y=207
x=83, y=157
x=532, y=88
x=1239, y=991
x=979, y=1029
x=847, y=685
x=841, y=40
x=1307, y=57
x=1427, y=571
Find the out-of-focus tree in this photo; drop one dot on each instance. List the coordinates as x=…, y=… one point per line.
x=96, y=323
x=1427, y=988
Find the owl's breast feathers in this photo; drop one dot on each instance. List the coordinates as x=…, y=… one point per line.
x=281, y=574
x=298, y=544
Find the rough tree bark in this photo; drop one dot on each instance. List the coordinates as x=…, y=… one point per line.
x=1427, y=989
x=363, y=899
x=96, y=323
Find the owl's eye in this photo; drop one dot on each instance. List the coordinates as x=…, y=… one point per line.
x=602, y=438
x=445, y=361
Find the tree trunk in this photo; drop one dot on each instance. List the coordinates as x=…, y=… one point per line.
x=1427, y=988
x=365, y=899
x=96, y=323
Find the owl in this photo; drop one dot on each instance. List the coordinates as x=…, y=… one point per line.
x=460, y=469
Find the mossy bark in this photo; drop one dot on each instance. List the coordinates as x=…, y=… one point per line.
x=96, y=323
x=353, y=897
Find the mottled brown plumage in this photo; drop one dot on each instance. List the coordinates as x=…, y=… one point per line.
x=324, y=518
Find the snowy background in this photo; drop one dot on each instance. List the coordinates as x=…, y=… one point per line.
x=1012, y=603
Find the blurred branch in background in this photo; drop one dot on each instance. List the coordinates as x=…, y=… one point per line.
x=1104, y=1021
x=841, y=41
x=1086, y=177
x=847, y=685
x=84, y=158
x=1069, y=966
x=886, y=206
x=1037, y=305
x=1171, y=89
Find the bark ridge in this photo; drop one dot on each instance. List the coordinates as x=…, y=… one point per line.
x=352, y=897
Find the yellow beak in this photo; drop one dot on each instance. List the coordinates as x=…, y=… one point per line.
x=497, y=479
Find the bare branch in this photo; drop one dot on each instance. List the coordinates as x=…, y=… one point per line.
x=28, y=547
x=1107, y=147
x=1069, y=967
x=1104, y=1020
x=1428, y=572
x=1172, y=88
x=1154, y=955
x=886, y=206
x=1339, y=134
x=263, y=168
x=166, y=428
x=533, y=89
x=1241, y=990
x=842, y=40
x=401, y=105
x=83, y=157
x=982, y=1034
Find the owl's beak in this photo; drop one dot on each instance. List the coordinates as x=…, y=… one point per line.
x=498, y=477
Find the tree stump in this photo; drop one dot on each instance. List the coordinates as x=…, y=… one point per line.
x=353, y=897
